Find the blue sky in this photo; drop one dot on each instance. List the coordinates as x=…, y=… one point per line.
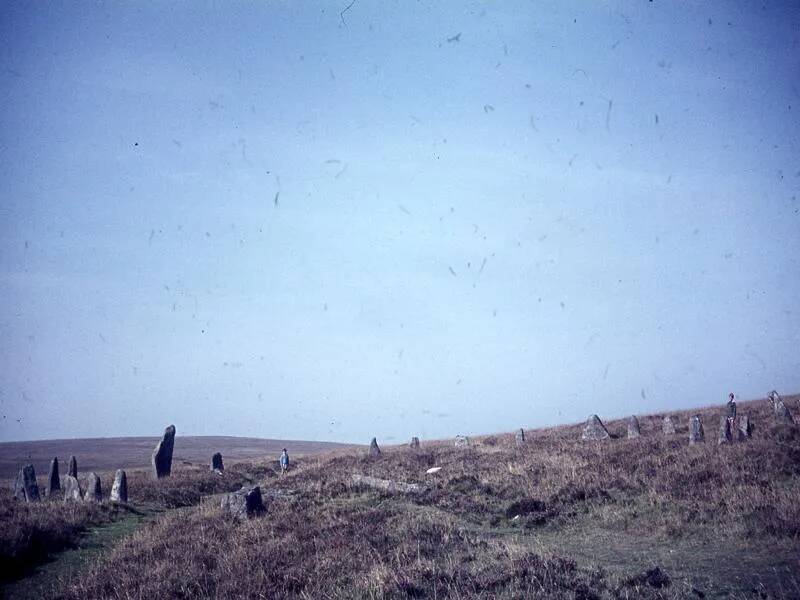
x=281, y=220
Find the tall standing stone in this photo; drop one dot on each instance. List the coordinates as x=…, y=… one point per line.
x=696, y=433
x=162, y=454
x=94, y=493
x=216, y=462
x=53, y=479
x=779, y=408
x=26, y=487
x=73, y=467
x=633, y=427
x=519, y=438
x=743, y=427
x=119, y=490
x=668, y=426
x=414, y=445
x=594, y=429
x=72, y=489
x=373, y=448
x=724, y=430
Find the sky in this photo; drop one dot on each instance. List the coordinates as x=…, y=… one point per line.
x=337, y=220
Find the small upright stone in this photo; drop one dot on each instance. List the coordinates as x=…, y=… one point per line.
x=462, y=441
x=743, y=427
x=594, y=429
x=519, y=438
x=414, y=445
x=162, y=454
x=633, y=427
x=696, y=433
x=26, y=487
x=72, y=489
x=93, y=491
x=373, y=448
x=247, y=502
x=119, y=490
x=668, y=426
x=724, y=430
x=216, y=462
x=73, y=467
x=53, y=479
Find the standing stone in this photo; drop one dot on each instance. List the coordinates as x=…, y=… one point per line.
x=119, y=491
x=72, y=489
x=247, y=502
x=414, y=445
x=216, y=462
x=779, y=408
x=162, y=454
x=724, y=430
x=73, y=467
x=519, y=438
x=93, y=491
x=26, y=487
x=696, y=433
x=668, y=426
x=743, y=428
x=462, y=441
x=594, y=429
x=633, y=427
x=53, y=480
x=373, y=448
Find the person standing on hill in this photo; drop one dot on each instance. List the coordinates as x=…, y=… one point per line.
x=731, y=408
x=284, y=461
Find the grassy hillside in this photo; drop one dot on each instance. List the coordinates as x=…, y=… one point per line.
x=645, y=518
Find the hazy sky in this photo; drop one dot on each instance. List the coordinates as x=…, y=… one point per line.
x=285, y=220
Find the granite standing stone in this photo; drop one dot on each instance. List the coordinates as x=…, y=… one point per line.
x=633, y=427
x=247, y=502
x=26, y=488
x=724, y=430
x=373, y=448
x=782, y=412
x=119, y=490
x=743, y=427
x=594, y=429
x=72, y=489
x=519, y=438
x=73, y=467
x=162, y=455
x=216, y=462
x=668, y=426
x=53, y=479
x=462, y=441
x=94, y=493
x=414, y=445
x=696, y=433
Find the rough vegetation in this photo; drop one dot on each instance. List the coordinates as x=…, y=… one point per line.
x=497, y=521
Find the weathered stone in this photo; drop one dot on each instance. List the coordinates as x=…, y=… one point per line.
x=743, y=427
x=373, y=448
x=696, y=433
x=462, y=441
x=388, y=485
x=782, y=412
x=724, y=436
x=216, y=462
x=72, y=489
x=414, y=445
x=94, y=493
x=162, y=454
x=53, y=479
x=668, y=425
x=247, y=502
x=633, y=427
x=594, y=429
x=119, y=490
x=519, y=438
x=26, y=488
x=73, y=467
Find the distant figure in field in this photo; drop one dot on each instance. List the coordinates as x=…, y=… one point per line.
x=284, y=461
x=731, y=411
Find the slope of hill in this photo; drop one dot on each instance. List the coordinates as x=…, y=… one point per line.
x=652, y=517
